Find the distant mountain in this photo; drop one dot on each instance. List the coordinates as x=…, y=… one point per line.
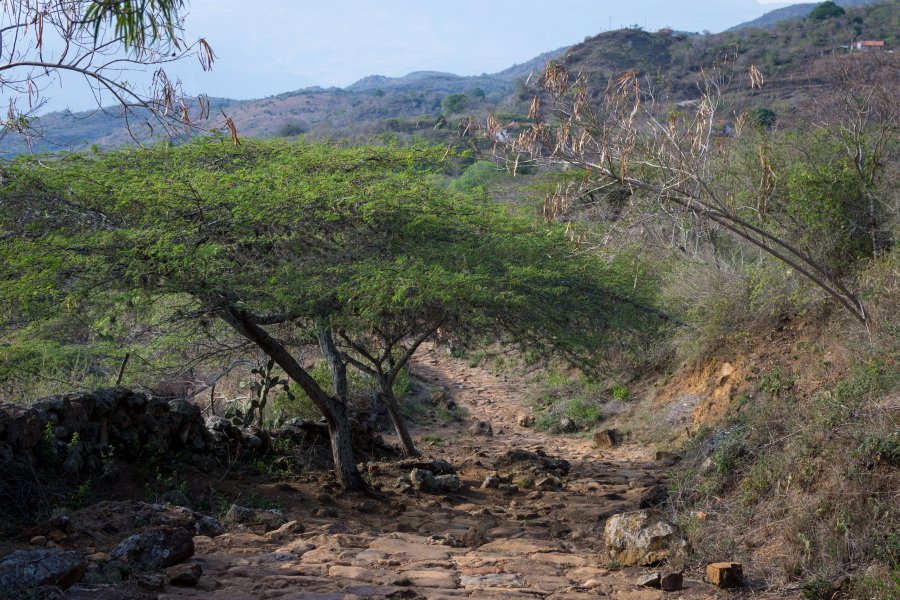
x=449, y=83
x=372, y=106
x=793, y=12
x=411, y=106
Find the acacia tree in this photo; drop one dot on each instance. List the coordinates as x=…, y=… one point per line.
x=623, y=138
x=270, y=237
x=104, y=43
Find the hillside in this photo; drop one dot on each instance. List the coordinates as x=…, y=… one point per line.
x=793, y=12
x=412, y=105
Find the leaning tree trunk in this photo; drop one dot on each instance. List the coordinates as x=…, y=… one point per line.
x=393, y=407
x=334, y=411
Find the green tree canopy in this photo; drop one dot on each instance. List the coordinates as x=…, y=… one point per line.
x=826, y=10
x=273, y=238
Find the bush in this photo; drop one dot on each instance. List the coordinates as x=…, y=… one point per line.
x=762, y=117
x=293, y=128
x=454, y=103
x=477, y=175
x=826, y=10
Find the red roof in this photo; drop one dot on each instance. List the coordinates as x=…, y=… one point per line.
x=870, y=43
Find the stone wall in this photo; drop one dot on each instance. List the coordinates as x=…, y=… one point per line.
x=81, y=431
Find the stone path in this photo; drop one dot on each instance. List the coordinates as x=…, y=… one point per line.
x=543, y=540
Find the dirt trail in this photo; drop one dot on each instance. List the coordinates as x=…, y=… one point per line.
x=533, y=543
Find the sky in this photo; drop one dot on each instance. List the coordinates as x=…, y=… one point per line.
x=265, y=47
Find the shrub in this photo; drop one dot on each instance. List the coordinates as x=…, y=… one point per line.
x=454, y=103
x=826, y=10
x=762, y=117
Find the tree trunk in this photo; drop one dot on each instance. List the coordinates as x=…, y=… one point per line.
x=393, y=407
x=342, y=450
x=334, y=411
x=335, y=362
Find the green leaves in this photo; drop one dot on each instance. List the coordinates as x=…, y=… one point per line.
x=134, y=21
x=355, y=235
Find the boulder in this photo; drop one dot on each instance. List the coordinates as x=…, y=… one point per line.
x=725, y=574
x=421, y=479
x=525, y=420
x=641, y=538
x=538, y=460
x=671, y=582
x=25, y=570
x=436, y=466
x=607, y=438
x=156, y=548
x=185, y=575
x=650, y=580
x=447, y=483
x=241, y=515
x=287, y=530
x=567, y=425
x=491, y=481
x=481, y=428
x=22, y=427
x=654, y=496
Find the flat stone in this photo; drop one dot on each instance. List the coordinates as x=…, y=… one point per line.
x=562, y=559
x=409, y=549
x=519, y=546
x=432, y=578
x=504, y=580
x=366, y=575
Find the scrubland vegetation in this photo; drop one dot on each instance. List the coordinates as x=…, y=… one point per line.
x=718, y=279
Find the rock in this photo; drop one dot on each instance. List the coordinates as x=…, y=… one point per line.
x=185, y=575
x=668, y=459
x=24, y=426
x=150, y=581
x=725, y=574
x=567, y=425
x=607, y=438
x=525, y=420
x=538, y=460
x=241, y=515
x=650, y=580
x=175, y=498
x=481, y=428
x=653, y=497
x=6, y=453
x=24, y=570
x=288, y=529
x=671, y=582
x=156, y=548
x=251, y=441
x=641, y=538
x=38, y=540
x=473, y=538
x=421, y=479
x=447, y=483
x=491, y=580
x=489, y=482
x=436, y=466
x=547, y=483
